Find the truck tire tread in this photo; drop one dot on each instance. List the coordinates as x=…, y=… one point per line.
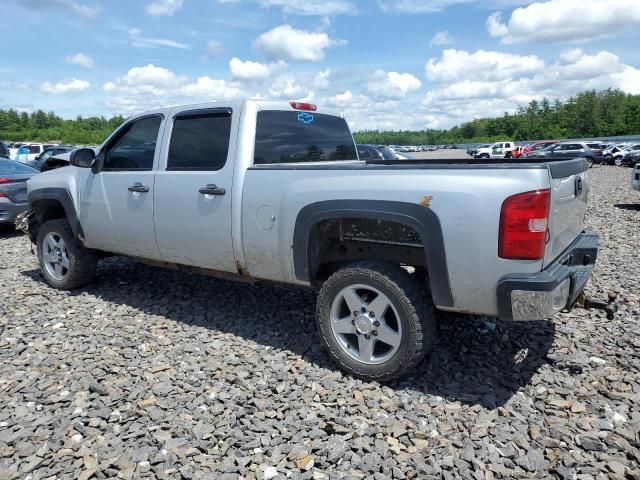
x=415, y=305
x=83, y=261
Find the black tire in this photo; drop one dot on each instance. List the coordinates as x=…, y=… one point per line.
x=618, y=161
x=82, y=261
x=484, y=155
x=508, y=155
x=410, y=299
x=590, y=162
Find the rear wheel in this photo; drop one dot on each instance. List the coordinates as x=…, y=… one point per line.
x=376, y=321
x=590, y=162
x=618, y=161
x=484, y=155
x=64, y=262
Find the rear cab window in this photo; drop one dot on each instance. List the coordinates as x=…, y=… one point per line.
x=301, y=137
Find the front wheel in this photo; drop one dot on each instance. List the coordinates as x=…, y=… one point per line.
x=590, y=162
x=376, y=321
x=64, y=262
x=618, y=161
x=484, y=155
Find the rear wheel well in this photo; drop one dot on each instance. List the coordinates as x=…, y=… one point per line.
x=336, y=242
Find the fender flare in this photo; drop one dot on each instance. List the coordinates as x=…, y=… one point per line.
x=422, y=219
x=62, y=196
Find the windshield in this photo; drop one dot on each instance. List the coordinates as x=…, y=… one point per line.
x=295, y=137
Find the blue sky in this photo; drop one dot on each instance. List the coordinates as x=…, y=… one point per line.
x=388, y=64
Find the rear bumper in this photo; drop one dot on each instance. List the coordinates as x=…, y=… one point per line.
x=541, y=295
x=9, y=210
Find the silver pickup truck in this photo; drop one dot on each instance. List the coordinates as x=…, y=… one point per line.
x=259, y=190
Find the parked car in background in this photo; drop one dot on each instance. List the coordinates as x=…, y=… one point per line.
x=534, y=147
x=611, y=150
x=275, y=191
x=472, y=150
x=375, y=152
x=564, y=150
x=496, y=150
x=4, y=151
x=13, y=189
x=635, y=179
x=599, y=149
x=625, y=155
x=633, y=159
x=41, y=159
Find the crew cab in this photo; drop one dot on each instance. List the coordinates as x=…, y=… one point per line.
x=497, y=150
x=258, y=190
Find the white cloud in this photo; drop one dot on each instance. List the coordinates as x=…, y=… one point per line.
x=441, y=38
x=481, y=65
x=467, y=85
x=288, y=43
x=137, y=40
x=289, y=88
x=322, y=80
x=164, y=8
x=80, y=59
x=62, y=5
x=392, y=84
x=312, y=7
x=565, y=20
x=146, y=87
x=72, y=86
x=417, y=6
x=211, y=89
x=249, y=70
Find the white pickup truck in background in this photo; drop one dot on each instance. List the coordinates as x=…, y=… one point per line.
x=497, y=150
x=258, y=190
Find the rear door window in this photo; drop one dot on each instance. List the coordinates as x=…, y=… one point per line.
x=200, y=141
x=301, y=137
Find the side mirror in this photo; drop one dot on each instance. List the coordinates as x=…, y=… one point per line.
x=83, y=157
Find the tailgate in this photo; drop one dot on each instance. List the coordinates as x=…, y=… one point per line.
x=569, y=191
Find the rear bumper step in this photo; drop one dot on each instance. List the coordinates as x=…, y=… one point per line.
x=541, y=295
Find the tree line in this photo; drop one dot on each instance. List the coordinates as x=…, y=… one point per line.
x=588, y=114
x=42, y=126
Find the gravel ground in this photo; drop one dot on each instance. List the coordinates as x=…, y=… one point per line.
x=153, y=374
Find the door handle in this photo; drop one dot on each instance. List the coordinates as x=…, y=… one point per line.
x=212, y=189
x=138, y=187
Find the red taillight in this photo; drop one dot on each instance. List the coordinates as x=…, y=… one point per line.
x=5, y=180
x=310, y=107
x=524, y=220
